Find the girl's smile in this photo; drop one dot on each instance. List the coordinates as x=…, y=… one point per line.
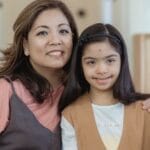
x=102, y=80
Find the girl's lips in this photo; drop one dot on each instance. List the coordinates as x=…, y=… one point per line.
x=103, y=81
x=103, y=78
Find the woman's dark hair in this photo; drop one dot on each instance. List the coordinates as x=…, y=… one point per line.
x=123, y=89
x=15, y=65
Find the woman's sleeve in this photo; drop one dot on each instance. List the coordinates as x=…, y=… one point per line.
x=68, y=135
x=5, y=92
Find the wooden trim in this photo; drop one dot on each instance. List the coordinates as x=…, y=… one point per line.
x=142, y=62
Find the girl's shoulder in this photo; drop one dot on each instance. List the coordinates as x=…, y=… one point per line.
x=77, y=105
x=135, y=105
x=137, y=109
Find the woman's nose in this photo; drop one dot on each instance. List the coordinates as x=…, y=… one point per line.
x=54, y=39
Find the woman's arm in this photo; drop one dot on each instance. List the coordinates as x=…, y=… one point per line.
x=5, y=92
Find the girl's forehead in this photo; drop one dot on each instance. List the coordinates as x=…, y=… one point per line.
x=99, y=48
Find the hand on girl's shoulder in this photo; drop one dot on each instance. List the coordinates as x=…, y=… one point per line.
x=146, y=104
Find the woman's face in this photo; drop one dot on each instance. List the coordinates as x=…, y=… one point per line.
x=101, y=65
x=49, y=44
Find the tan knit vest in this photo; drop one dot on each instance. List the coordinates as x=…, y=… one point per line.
x=81, y=117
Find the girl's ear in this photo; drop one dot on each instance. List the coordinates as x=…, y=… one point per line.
x=25, y=47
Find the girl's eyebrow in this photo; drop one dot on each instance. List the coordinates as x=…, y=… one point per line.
x=88, y=57
x=112, y=55
x=107, y=57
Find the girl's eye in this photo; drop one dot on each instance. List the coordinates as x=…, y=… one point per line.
x=42, y=33
x=110, y=61
x=91, y=62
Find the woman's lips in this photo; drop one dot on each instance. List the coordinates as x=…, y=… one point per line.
x=55, y=53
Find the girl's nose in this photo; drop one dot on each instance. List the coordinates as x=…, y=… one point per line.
x=101, y=69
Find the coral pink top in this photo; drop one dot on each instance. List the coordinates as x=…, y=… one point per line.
x=46, y=113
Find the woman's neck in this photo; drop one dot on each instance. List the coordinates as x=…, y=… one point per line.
x=54, y=76
x=102, y=98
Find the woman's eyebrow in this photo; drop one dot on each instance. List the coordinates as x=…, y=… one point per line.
x=41, y=26
x=64, y=24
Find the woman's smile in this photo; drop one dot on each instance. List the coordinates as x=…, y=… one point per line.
x=55, y=53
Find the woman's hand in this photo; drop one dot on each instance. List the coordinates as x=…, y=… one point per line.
x=146, y=104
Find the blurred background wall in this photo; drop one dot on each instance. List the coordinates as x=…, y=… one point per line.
x=131, y=17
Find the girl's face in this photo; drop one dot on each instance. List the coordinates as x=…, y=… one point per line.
x=101, y=65
x=49, y=43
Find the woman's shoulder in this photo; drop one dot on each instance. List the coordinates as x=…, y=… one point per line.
x=4, y=86
x=19, y=88
x=22, y=92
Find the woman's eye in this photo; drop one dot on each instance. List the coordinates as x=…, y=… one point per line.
x=42, y=33
x=64, y=31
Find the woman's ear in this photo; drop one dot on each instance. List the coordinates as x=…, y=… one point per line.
x=25, y=47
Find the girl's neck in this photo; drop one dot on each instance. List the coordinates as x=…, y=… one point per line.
x=102, y=98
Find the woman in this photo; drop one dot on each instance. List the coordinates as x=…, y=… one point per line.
x=33, y=74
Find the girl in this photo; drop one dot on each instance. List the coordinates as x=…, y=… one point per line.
x=32, y=76
x=108, y=113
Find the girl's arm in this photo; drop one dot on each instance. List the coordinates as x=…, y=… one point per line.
x=68, y=136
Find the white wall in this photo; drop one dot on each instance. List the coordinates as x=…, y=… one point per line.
x=140, y=16
x=129, y=16
x=139, y=19
x=8, y=14
x=1, y=9
x=91, y=9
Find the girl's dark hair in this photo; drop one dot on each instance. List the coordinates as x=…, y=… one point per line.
x=123, y=89
x=15, y=65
